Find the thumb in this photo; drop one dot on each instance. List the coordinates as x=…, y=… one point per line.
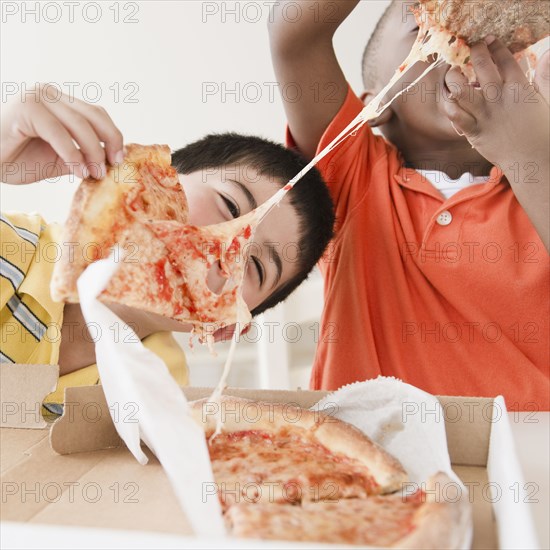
x=542, y=76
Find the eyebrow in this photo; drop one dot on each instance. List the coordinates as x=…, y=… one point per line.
x=278, y=262
x=246, y=192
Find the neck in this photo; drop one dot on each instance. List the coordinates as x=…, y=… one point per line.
x=452, y=157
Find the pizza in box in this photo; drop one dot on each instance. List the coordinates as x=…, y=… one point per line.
x=286, y=473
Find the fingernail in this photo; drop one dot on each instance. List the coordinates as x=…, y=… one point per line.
x=119, y=157
x=489, y=39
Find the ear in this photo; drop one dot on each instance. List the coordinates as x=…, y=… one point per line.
x=384, y=118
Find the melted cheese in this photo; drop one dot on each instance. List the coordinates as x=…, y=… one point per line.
x=376, y=521
x=284, y=466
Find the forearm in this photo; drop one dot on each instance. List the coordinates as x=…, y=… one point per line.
x=530, y=181
x=293, y=24
x=303, y=56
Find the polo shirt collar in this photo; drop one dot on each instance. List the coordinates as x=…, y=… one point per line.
x=411, y=179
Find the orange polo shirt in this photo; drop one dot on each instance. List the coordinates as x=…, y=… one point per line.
x=451, y=295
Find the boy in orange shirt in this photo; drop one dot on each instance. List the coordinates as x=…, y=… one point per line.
x=438, y=273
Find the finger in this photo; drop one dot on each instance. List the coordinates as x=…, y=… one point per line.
x=485, y=68
x=39, y=122
x=542, y=76
x=463, y=122
x=84, y=135
x=509, y=69
x=457, y=84
x=462, y=92
x=103, y=126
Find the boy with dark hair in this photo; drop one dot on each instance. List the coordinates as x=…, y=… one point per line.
x=233, y=155
x=438, y=272
x=224, y=176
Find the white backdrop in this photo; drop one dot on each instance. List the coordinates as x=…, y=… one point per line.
x=166, y=71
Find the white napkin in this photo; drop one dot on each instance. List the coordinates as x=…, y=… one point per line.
x=130, y=373
x=407, y=422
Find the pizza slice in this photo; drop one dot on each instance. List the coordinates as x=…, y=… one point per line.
x=282, y=453
x=423, y=520
x=449, y=27
x=141, y=207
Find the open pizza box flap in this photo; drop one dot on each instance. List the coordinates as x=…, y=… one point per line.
x=83, y=476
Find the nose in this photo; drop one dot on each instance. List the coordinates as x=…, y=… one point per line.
x=216, y=278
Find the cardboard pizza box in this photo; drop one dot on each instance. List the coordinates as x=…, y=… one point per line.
x=74, y=475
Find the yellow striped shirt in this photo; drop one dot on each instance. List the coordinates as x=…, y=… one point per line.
x=30, y=321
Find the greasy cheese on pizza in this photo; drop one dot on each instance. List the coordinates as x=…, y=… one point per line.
x=377, y=521
x=140, y=206
x=448, y=27
x=284, y=453
x=285, y=466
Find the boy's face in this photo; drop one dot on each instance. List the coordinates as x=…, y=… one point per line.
x=221, y=194
x=420, y=110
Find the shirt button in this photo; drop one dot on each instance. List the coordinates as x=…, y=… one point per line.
x=445, y=218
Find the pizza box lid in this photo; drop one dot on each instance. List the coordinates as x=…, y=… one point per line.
x=76, y=473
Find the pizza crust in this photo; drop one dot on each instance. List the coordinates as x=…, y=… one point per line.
x=440, y=523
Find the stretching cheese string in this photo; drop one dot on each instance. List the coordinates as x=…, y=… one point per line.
x=216, y=395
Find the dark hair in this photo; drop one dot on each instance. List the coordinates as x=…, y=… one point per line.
x=310, y=197
x=370, y=61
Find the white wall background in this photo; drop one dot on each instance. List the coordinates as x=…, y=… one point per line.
x=151, y=69
x=151, y=64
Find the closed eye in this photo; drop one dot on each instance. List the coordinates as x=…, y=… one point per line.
x=259, y=269
x=233, y=207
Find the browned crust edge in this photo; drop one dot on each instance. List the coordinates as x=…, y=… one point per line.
x=440, y=524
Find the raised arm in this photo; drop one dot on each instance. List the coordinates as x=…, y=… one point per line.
x=311, y=81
